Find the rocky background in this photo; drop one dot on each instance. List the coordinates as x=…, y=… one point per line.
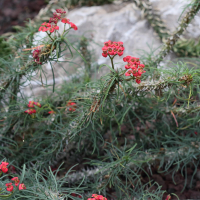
x=15, y=12
x=119, y=21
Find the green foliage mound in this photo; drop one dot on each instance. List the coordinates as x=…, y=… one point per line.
x=88, y=136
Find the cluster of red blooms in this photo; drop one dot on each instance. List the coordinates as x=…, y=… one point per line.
x=4, y=169
x=112, y=48
x=97, y=197
x=52, y=25
x=36, y=55
x=136, y=68
x=16, y=182
x=31, y=105
x=71, y=105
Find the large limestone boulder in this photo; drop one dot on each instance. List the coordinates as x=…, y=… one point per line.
x=120, y=21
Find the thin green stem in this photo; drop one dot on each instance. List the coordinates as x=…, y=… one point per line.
x=64, y=30
x=50, y=36
x=111, y=58
x=6, y=195
x=129, y=78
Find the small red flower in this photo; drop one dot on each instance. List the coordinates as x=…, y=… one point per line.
x=42, y=28
x=30, y=111
x=22, y=186
x=56, y=15
x=51, y=112
x=138, y=81
x=37, y=104
x=128, y=73
x=107, y=43
x=4, y=163
x=54, y=20
x=120, y=52
x=9, y=187
x=121, y=45
x=46, y=24
x=132, y=59
x=141, y=65
x=104, y=49
x=72, y=105
x=37, y=60
x=61, y=11
x=16, y=180
x=36, y=53
x=65, y=21
x=195, y=133
x=126, y=59
x=168, y=197
x=104, y=55
x=56, y=27
x=3, y=167
x=141, y=71
x=110, y=51
x=73, y=26
x=128, y=66
x=30, y=104
x=51, y=29
x=97, y=197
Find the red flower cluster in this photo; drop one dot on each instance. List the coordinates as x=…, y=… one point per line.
x=36, y=55
x=67, y=21
x=16, y=182
x=97, y=197
x=31, y=105
x=49, y=27
x=52, y=25
x=112, y=48
x=137, y=69
x=71, y=105
x=3, y=167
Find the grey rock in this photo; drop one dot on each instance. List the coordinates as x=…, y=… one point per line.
x=118, y=22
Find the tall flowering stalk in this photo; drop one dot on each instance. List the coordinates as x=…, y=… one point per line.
x=51, y=28
x=134, y=67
